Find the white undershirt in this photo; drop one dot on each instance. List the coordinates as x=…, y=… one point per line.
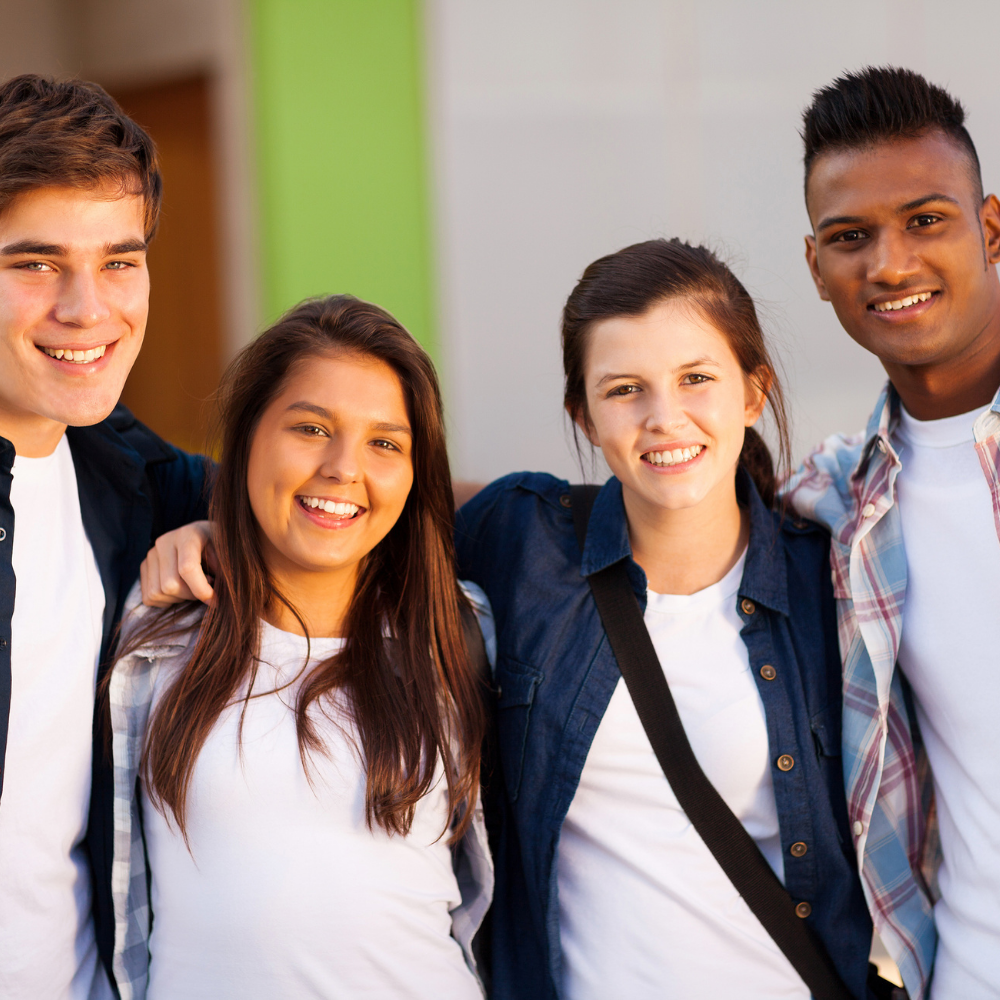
x=950, y=652
x=645, y=910
x=285, y=892
x=47, y=946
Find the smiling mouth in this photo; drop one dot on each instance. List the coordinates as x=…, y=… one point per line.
x=337, y=510
x=676, y=457
x=75, y=357
x=901, y=303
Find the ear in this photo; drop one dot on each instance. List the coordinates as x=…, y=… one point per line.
x=579, y=417
x=758, y=385
x=989, y=216
x=814, y=268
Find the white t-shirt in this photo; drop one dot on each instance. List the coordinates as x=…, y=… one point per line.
x=47, y=946
x=285, y=892
x=645, y=910
x=950, y=653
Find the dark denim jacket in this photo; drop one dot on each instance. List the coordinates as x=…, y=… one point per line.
x=556, y=674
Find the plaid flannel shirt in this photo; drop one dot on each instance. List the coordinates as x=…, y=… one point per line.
x=131, y=695
x=848, y=484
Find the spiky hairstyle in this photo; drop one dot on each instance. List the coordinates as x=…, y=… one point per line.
x=879, y=104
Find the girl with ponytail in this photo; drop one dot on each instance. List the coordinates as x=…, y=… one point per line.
x=604, y=886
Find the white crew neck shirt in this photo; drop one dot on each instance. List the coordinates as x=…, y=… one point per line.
x=47, y=944
x=949, y=653
x=645, y=910
x=285, y=892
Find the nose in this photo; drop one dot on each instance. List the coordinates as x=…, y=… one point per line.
x=665, y=412
x=892, y=260
x=80, y=302
x=341, y=460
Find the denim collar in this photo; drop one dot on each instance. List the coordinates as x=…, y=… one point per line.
x=765, y=580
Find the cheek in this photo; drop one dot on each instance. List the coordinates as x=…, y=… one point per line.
x=613, y=428
x=21, y=308
x=131, y=301
x=391, y=489
x=265, y=475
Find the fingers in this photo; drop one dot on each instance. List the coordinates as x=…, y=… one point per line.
x=172, y=571
x=190, y=550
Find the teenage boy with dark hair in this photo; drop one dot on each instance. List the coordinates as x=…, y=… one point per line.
x=904, y=245
x=83, y=489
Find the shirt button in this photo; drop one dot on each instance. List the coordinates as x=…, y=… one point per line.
x=748, y=606
x=786, y=762
x=3, y=534
x=859, y=828
x=798, y=849
x=868, y=510
x=565, y=500
x=803, y=910
x=768, y=672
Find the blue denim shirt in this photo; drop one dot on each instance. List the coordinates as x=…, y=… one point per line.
x=555, y=675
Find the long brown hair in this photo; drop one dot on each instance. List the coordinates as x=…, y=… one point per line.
x=414, y=697
x=630, y=282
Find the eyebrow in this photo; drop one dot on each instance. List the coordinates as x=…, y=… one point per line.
x=31, y=247
x=854, y=220
x=321, y=411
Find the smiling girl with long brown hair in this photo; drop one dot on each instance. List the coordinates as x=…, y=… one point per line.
x=308, y=747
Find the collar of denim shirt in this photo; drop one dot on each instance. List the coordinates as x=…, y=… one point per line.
x=765, y=580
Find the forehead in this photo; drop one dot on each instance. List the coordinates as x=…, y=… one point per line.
x=879, y=179
x=346, y=384
x=670, y=333
x=71, y=216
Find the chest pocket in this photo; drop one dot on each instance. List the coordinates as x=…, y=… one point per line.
x=517, y=683
x=825, y=734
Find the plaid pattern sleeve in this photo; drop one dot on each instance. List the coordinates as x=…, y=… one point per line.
x=130, y=693
x=847, y=484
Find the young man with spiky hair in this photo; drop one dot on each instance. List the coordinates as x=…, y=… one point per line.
x=904, y=246
x=83, y=489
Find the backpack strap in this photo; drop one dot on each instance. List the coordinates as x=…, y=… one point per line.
x=724, y=835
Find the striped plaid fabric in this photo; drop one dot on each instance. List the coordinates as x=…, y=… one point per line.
x=131, y=694
x=848, y=485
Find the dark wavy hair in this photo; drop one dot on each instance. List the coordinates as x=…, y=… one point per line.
x=630, y=282
x=414, y=696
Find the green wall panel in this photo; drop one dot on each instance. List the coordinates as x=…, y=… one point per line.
x=338, y=97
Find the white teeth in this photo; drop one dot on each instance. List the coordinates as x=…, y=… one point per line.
x=77, y=357
x=902, y=303
x=342, y=509
x=674, y=457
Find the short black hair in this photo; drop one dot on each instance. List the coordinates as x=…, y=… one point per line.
x=879, y=104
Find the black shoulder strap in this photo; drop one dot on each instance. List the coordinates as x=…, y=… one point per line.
x=722, y=832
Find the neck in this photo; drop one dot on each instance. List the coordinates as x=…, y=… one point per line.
x=32, y=437
x=960, y=384
x=321, y=599
x=684, y=551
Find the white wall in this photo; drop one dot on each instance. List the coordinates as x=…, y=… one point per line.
x=565, y=129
